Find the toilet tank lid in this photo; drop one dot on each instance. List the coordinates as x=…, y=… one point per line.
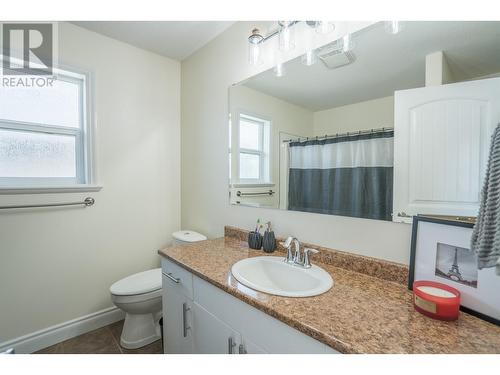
x=188, y=236
x=138, y=283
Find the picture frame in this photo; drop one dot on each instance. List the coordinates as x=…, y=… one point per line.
x=440, y=251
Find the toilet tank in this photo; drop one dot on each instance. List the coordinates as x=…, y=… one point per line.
x=185, y=237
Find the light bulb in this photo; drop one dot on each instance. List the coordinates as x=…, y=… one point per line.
x=286, y=42
x=279, y=70
x=309, y=58
x=347, y=43
x=254, y=54
x=254, y=41
x=393, y=27
x=325, y=27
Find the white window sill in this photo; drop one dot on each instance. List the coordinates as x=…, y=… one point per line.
x=48, y=189
x=253, y=184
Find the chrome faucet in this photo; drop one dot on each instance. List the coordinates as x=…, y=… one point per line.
x=296, y=258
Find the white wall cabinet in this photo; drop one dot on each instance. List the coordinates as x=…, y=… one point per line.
x=216, y=322
x=441, y=144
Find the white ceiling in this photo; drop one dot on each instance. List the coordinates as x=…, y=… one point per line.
x=174, y=39
x=385, y=63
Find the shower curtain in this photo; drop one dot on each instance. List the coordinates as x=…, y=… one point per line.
x=348, y=175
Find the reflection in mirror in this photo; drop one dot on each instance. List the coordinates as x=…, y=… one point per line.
x=321, y=138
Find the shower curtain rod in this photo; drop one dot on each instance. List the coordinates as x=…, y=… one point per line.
x=337, y=135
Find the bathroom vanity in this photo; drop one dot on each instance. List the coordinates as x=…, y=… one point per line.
x=368, y=309
x=201, y=318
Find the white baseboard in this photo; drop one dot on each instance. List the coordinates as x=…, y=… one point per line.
x=44, y=338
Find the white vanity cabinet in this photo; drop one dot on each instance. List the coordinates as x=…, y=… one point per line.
x=201, y=318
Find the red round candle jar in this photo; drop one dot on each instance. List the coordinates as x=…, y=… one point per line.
x=436, y=300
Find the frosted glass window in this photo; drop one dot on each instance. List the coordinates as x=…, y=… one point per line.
x=250, y=135
x=249, y=166
x=44, y=133
x=57, y=105
x=35, y=155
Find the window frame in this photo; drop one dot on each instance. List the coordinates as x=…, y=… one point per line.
x=84, y=143
x=263, y=154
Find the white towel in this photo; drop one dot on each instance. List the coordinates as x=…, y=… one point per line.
x=486, y=233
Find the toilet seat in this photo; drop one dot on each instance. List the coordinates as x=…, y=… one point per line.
x=138, y=284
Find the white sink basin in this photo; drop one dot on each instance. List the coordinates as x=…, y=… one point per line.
x=271, y=275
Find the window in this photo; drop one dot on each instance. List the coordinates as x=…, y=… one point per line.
x=44, y=133
x=254, y=136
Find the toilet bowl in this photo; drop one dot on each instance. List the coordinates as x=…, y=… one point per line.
x=139, y=295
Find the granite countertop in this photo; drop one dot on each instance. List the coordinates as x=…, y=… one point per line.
x=360, y=314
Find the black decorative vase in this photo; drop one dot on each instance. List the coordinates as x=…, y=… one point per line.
x=254, y=240
x=269, y=242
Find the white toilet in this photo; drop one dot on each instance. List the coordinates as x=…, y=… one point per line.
x=139, y=295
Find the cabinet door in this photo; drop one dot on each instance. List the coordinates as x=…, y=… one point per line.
x=441, y=142
x=177, y=318
x=211, y=335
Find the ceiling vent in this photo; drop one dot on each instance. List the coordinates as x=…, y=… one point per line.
x=334, y=57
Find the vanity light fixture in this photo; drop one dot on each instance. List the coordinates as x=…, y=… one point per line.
x=285, y=31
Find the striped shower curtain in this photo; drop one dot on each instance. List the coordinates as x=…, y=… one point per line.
x=347, y=176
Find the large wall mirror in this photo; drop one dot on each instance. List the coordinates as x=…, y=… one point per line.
x=393, y=126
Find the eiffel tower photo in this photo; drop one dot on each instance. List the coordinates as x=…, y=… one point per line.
x=456, y=264
x=454, y=272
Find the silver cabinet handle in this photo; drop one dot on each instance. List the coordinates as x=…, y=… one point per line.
x=174, y=279
x=185, y=326
x=230, y=345
x=242, y=350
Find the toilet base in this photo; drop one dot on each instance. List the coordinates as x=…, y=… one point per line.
x=139, y=330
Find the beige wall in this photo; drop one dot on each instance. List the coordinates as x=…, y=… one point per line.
x=58, y=264
x=284, y=117
x=206, y=76
x=376, y=113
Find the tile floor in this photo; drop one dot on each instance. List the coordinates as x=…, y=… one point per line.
x=105, y=340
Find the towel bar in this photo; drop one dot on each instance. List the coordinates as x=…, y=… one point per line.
x=240, y=194
x=87, y=202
